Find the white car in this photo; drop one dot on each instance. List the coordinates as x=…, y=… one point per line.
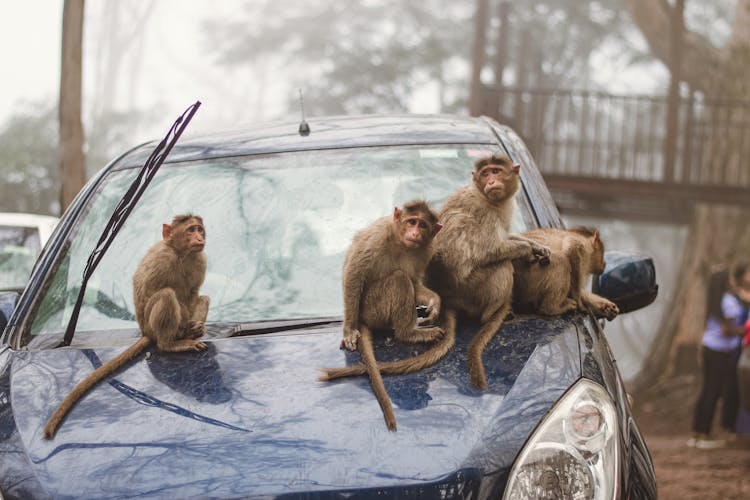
x=22, y=237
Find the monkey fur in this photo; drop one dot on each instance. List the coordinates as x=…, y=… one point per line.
x=560, y=287
x=169, y=311
x=383, y=283
x=472, y=269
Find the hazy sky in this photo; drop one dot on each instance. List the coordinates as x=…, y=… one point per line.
x=30, y=41
x=167, y=66
x=174, y=68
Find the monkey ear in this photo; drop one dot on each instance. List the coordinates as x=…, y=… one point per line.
x=596, y=238
x=515, y=168
x=437, y=228
x=396, y=214
x=166, y=231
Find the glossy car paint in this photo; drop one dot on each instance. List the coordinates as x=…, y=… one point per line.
x=248, y=417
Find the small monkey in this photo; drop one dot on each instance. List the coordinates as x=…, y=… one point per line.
x=383, y=284
x=472, y=269
x=168, y=309
x=560, y=287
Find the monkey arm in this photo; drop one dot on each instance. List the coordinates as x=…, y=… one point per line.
x=540, y=252
x=509, y=249
x=353, y=284
x=427, y=297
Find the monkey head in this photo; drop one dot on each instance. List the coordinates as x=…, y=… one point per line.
x=596, y=261
x=186, y=234
x=496, y=177
x=417, y=224
x=597, y=257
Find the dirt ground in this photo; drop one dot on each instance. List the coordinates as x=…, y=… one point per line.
x=664, y=414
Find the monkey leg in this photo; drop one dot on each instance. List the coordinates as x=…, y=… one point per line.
x=390, y=303
x=489, y=328
x=196, y=326
x=164, y=318
x=556, y=307
x=602, y=307
x=376, y=379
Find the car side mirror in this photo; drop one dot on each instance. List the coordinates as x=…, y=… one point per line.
x=8, y=300
x=629, y=280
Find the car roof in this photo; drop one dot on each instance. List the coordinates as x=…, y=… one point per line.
x=325, y=133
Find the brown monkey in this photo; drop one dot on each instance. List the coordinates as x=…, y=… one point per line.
x=560, y=287
x=472, y=269
x=169, y=311
x=383, y=283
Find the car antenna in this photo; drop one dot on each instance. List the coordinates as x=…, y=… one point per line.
x=125, y=206
x=304, y=128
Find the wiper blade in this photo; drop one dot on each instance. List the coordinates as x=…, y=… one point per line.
x=125, y=206
x=283, y=325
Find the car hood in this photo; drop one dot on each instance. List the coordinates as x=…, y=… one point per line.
x=249, y=417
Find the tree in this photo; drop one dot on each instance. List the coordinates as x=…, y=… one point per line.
x=28, y=155
x=353, y=57
x=717, y=233
x=71, y=159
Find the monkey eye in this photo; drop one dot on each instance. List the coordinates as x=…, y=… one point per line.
x=422, y=225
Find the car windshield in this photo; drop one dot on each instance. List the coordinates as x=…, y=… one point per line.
x=277, y=229
x=19, y=248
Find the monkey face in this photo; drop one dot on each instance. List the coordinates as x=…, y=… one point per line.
x=495, y=180
x=192, y=235
x=415, y=231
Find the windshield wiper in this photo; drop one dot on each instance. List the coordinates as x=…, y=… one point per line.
x=125, y=206
x=282, y=325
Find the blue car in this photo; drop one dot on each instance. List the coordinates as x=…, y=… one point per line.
x=248, y=417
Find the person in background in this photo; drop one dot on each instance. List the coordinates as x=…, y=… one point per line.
x=725, y=320
x=742, y=425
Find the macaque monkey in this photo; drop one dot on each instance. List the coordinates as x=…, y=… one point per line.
x=168, y=309
x=560, y=287
x=383, y=284
x=472, y=269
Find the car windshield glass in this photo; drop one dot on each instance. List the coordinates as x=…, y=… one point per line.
x=19, y=247
x=277, y=229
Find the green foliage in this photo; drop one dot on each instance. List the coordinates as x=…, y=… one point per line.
x=364, y=56
x=28, y=161
x=354, y=56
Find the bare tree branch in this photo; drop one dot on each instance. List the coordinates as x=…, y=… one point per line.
x=701, y=61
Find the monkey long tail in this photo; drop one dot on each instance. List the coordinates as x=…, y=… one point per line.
x=376, y=380
x=477, y=345
x=90, y=381
x=410, y=365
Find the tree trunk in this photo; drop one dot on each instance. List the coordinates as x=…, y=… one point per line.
x=71, y=159
x=717, y=234
x=477, y=59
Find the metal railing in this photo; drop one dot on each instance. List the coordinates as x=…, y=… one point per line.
x=618, y=137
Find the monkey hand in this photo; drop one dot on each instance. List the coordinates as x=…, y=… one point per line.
x=433, y=311
x=196, y=329
x=350, y=340
x=540, y=254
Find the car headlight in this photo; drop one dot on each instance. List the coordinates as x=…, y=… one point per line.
x=574, y=451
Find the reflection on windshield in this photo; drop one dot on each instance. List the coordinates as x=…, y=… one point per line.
x=277, y=228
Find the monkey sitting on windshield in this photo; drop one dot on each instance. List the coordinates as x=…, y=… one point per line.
x=560, y=286
x=383, y=284
x=168, y=309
